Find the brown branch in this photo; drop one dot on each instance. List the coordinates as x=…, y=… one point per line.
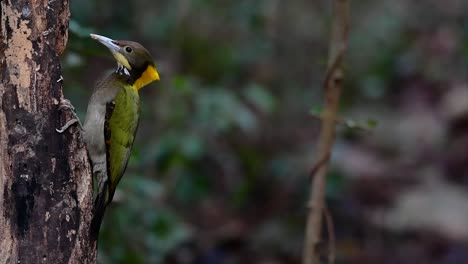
x=318, y=164
x=332, y=88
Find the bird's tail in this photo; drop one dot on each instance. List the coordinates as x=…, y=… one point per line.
x=100, y=203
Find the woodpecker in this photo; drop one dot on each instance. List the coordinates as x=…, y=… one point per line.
x=112, y=117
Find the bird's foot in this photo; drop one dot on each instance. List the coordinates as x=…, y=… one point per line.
x=66, y=104
x=67, y=125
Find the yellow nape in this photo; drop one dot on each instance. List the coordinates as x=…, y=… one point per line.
x=148, y=76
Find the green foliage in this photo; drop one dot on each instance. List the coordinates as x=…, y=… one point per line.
x=226, y=138
x=137, y=229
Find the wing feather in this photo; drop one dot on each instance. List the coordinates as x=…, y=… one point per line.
x=120, y=128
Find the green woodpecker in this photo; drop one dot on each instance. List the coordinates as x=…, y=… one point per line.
x=112, y=116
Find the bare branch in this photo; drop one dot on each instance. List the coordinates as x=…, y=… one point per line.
x=332, y=87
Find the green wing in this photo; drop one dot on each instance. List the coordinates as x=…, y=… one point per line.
x=119, y=130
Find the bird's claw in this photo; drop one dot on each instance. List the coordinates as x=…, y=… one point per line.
x=67, y=125
x=66, y=104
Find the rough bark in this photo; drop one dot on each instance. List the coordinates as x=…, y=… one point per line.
x=45, y=177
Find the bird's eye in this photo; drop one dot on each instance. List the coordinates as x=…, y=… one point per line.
x=128, y=49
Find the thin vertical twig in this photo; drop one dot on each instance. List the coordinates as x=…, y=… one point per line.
x=332, y=89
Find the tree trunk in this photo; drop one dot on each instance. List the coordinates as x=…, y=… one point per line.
x=45, y=177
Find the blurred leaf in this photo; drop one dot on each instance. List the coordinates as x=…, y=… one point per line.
x=162, y=227
x=365, y=126
x=260, y=97
x=192, y=147
x=191, y=188
x=143, y=187
x=181, y=83
x=211, y=61
x=372, y=123
x=220, y=110
x=316, y=110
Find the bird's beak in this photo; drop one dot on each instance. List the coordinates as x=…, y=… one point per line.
x=114, y=49
x=109, y=43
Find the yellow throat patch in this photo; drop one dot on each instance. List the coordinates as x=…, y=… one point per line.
x=122, y=60
x=148, y=76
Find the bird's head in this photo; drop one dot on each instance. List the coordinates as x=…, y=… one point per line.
x=134, y=58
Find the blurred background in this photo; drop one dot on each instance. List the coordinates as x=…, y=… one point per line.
x=219, y=170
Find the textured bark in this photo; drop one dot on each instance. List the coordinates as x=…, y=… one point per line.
x=45, y=177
